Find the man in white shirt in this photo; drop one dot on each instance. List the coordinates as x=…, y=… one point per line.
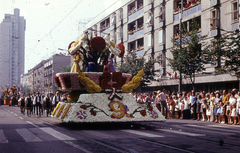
x=34, y=107
x=163, y=96
x=38, y=102
x=56, y=99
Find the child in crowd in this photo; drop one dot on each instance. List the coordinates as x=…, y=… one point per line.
x=234, y=114
x=176, y=110
x=228, y=112
x=182, y=109
x=171, y=105
x=204, y=110
x=208, y=112
x=220, y=112
x=198, y=107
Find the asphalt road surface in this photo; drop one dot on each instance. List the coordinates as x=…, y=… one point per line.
x=22, y=134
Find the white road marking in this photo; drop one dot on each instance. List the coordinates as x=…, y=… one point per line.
x=11, y=112
x=142, y=133
x=28, y=136
x=56, y=134
x=2, y=137
x=32, y=124
x=15, y=114
x=181, y=132
x=77, y=146
x=20, y=117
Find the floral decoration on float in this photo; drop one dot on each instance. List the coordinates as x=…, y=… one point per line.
x=100, y=96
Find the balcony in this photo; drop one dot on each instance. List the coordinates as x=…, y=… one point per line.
x=235, y=26
x=119, y=23
x=135, y=14
x=213, y=3
x=188, y=11
x=136, y=34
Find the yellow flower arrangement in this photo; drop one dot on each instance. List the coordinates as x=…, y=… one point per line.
x=66, y=110
x=54, y=111
x=4, y=92
x=127, y=88
x=60, y=110
x=92, y=87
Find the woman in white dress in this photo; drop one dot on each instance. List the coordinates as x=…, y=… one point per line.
x=232, y=102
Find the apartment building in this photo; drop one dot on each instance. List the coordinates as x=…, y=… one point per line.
x=51, y=67
x=150, y=25
x=12, y=48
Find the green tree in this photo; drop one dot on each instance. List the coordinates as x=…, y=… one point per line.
x=66, y=68
x=133, y=64
x=190, y=52
x=227, y=51
x=26, y=90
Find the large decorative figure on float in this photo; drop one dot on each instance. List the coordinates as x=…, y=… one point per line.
x=74, y=50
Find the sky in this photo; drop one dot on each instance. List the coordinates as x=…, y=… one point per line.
x=52, y=24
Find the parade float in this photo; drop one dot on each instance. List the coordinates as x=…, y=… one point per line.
x=10, y=96
x=100, y=96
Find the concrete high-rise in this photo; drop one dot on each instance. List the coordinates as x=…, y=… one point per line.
x=12, y=48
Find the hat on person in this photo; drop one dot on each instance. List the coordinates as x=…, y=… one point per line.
x=158, y=92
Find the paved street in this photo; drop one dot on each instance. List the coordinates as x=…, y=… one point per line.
x=19, y=133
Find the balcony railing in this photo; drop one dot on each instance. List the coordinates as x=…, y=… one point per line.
x=135, y=14
x=135, y=34
x=188, y=11
x=235, y=26
x=213, y=3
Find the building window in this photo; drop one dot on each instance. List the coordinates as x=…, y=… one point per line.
x=214, y=19
x=135, y=26
x=160, y=14
x=235, y=11
x=160, y=37
x=135, y=6
x=104, y=24
x=149, y=20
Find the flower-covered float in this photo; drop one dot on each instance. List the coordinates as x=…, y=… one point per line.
x=100, y=96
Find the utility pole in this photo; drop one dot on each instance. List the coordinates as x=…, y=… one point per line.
x=180, y=36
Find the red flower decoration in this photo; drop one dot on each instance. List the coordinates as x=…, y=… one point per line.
x=143, y=112
x=149, y=107
x=83, y=107
x=117, y=79
x=105, y=78
x=93, y=112
x=98, y=44
x=120, y=45
x=57, y=81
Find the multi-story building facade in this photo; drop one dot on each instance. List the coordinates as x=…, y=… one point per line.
x=52, y=66
x=150, y=25
x=38, y=77
x=24, y=80
x=12, y=48
x=41, y=77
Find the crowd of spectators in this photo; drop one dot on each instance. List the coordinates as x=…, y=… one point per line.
x=220, y=106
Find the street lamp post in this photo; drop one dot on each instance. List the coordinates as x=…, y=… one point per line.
x=180, y=37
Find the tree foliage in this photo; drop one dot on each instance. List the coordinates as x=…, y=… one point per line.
x=190, y=53
x=227, y=51
x=66, y=68
x=133, y=64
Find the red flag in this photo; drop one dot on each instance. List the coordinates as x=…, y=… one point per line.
x=169, y=73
